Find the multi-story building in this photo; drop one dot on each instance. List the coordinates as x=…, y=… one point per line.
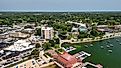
x=47, y=32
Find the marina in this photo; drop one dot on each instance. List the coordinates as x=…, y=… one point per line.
x=102, y=52
x=82, y=55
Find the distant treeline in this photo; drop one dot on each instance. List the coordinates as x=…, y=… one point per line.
x=102, y=18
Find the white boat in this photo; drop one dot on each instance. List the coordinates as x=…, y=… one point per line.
x=102, y=47
x=108, y=41
x=111, y=45
x=108, y=46
x=120, y=43
x=91, y=45
x=110, y=51
x=86, y=46
x=117, y=40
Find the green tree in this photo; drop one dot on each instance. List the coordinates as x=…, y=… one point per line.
x=35, y=53
x=52, y=43
x=57, y=41
x=38, y=32
x=46, y=45
x=37, y=45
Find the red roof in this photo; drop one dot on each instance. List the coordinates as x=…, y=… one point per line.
x=66, y=59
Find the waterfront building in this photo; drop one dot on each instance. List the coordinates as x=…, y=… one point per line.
x=47, y=32
x=67, y=61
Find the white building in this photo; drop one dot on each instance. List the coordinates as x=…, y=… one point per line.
x=28, y=30
x=47, y=32
x=20, y=45
x=1, y=51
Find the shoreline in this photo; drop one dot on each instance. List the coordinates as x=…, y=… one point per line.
x=106, y=36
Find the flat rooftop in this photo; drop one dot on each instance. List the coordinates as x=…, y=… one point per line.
x=20, y=45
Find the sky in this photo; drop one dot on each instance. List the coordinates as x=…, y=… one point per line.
x=60, y=5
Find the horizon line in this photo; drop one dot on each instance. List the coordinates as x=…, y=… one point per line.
x=60, y=10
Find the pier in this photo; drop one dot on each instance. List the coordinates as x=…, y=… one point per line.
x=97, y=66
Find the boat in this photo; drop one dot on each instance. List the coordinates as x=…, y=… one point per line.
x=91, y=45
x=111, y=45
x=108, y=46
x=108, y=41
x=117, y=40
x=110, y=51
x=102, y=47
x=86, y=46
x=120, y=43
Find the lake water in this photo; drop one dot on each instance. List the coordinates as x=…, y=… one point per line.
x=101, y=52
